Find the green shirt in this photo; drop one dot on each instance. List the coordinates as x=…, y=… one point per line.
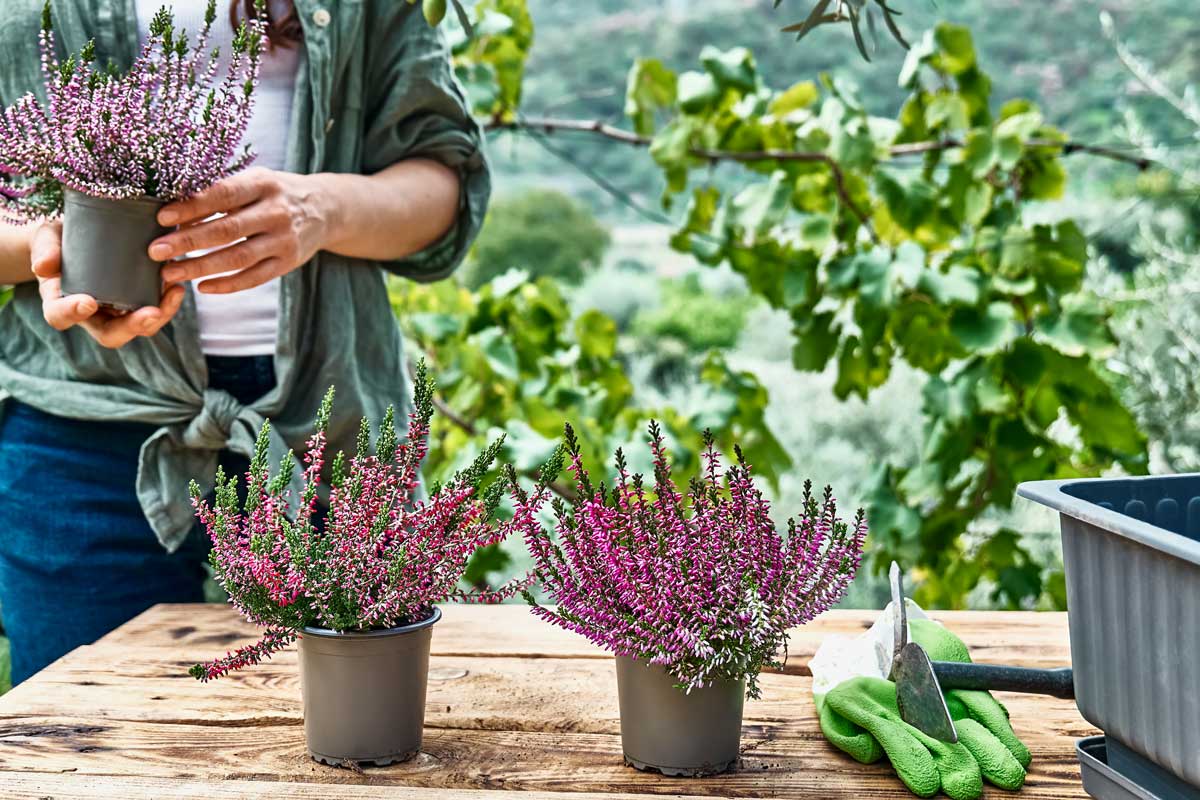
x=375, y=86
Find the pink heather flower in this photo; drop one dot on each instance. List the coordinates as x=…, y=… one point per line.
x=703, y=584
x=382, y=558
x=164, y=129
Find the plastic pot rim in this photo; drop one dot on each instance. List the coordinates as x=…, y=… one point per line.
x=141, y=202
x=329, y=633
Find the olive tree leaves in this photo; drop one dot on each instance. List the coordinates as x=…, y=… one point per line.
x=858, y=13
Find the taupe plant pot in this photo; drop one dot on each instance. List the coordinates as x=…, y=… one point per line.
x=104, y=250
x=667, y=731
x=364, y=693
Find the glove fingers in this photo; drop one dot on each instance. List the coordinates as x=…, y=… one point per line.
x=987, y=711
x=957, y=769
x=848, y=737
x=998, y=765
x=866, y=703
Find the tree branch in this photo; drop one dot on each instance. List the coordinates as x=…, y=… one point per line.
x=553, y=125
x=596, y=127
x=1141, y=162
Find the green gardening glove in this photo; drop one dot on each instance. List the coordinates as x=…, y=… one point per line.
x=860, y=717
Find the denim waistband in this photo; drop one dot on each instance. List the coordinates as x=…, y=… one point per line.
x=247, y=378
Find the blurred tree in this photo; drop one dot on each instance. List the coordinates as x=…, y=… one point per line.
x=698, y=319
x=544, y=232
x=1159, y=355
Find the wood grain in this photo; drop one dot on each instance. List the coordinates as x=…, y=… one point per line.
x=100, y=787
x=513, y=705
x=1025, y=638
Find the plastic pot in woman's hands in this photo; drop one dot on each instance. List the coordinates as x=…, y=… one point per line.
x=364, y=692
x=676, y=733
x=105, y=246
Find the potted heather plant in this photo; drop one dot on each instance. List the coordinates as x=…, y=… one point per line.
x=356, y=586
x=107, y=150
x=693, y=593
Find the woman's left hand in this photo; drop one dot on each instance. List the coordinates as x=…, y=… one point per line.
x=274, y=222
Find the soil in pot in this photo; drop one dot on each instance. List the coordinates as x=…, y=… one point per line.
x=665, y=730
x=104, y=250
x=364, y=692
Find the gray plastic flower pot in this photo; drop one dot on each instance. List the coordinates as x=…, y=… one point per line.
x=665, y=730
x=364, y=692
x=1131, y=553
x=104, y=250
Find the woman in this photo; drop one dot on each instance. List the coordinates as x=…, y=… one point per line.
x=380, y=170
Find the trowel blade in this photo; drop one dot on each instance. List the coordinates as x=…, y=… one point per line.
x=919, y=696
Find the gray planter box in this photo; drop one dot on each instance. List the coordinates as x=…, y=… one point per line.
x=1131, y=548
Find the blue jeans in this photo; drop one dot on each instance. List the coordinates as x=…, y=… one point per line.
x=77, y=557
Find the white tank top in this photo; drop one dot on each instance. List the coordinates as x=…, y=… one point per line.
x=243, y=323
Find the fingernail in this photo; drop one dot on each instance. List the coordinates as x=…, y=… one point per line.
x=167, y=217
x=149, y=323
x=160, y=252
x=85, y=307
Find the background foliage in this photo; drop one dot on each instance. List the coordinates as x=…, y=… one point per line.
x=886, y=274
x=925, y=238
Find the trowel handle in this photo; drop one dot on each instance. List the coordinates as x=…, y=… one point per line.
x=989, y=677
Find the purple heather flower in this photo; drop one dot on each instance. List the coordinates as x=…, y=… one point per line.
x=165, y=129
x=383, y=556
x=703, y=584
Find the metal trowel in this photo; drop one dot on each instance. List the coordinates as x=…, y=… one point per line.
x=920, y=681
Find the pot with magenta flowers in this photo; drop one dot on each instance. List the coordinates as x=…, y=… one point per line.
x=356, y=585
x=693, y=592
x=109, y=149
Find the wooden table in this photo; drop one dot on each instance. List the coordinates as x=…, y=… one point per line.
x=514, y=706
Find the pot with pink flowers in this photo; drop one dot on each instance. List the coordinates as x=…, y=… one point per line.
x=107, y=150
x=357, y=585
x=694, y=593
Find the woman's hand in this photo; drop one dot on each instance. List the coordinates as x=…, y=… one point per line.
x=274, y=222
x=110, y=330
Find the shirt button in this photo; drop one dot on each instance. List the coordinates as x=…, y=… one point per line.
x=322, y=17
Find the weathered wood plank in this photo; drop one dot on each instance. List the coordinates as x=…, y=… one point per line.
x=513, y=705
x=545, y=695
x=99, y=787
x=1025, y=638
x=789, y=767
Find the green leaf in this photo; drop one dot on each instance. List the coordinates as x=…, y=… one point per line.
x=958, y=286
x=985, y=329
x=816, y=342
x=650, y=88
x=499, y=352
x=433, y=326
x=761, y=206
x=911, y=203
x=1077, y=331
x=956, y=50
x=596, y=334
x=732, y=69
x=947, y=111
x=697, y=92
x=799, y=96
x=1019, y=126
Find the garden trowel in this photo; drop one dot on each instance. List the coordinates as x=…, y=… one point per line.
x=920, y=681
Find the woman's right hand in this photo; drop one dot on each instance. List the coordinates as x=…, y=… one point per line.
x=110, y=330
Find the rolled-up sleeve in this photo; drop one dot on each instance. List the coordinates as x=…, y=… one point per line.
x=417, y=109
